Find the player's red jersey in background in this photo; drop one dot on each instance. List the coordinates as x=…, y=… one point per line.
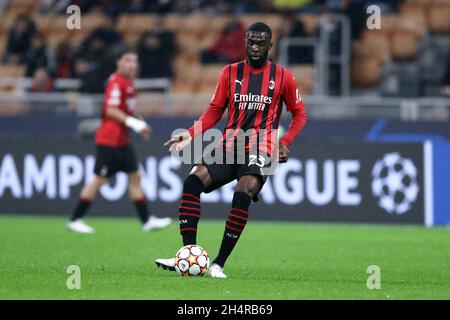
x=254, y=99
x=120, y=93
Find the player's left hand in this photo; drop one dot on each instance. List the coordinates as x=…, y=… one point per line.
x=283, y=153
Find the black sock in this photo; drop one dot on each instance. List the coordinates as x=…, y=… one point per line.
x=81, y=209
x=189, y=209
x=234, y=226
x=141, y=209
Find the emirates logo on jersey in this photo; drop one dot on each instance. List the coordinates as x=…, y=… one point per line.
x=252, y=101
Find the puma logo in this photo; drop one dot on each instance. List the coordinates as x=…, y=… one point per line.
x=240, y=82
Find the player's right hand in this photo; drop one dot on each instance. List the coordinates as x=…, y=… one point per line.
x=283, y=153
x=178, y=141
x=145, y=133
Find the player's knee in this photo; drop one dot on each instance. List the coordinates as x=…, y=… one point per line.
x=193, y=183
x=203, y=174
x=249, y=185
x=246, y=189
x=241, y=199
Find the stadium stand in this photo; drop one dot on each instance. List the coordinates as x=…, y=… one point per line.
x=405, y=46
x=193, y=33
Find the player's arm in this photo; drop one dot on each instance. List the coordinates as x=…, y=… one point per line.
x=208, y=119
x=113, y=100
x=295, y=105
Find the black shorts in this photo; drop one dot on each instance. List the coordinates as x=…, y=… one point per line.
x=111, y=160
x=230, y=169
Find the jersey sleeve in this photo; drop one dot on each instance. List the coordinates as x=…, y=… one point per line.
x=113, y=94
x=291, y=94
x=217, y=106
x=294, y=104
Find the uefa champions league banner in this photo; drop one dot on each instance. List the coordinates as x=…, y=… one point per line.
x=329, y=181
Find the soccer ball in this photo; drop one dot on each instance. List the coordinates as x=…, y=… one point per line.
x=394, y=183
x=191, y=260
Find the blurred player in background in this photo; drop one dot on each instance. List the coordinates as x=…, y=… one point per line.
x=114, y=151
x=253, y=91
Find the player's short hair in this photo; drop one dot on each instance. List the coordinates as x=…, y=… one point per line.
x=260, y=27
x=125, y=51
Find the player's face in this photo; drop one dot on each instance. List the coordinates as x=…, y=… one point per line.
x=257, y=45
x=128, y=64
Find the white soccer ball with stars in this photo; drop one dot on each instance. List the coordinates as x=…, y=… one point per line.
x=394, y=183
x=191, y=260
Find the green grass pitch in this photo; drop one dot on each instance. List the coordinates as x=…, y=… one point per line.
x=272, y=261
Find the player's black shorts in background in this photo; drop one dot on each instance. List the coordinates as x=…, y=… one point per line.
x=229, y=169
x=111, y=160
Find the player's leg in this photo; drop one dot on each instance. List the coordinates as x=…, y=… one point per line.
x=203, y=178
x=149, y=222
x=129, y=164
x=106, y=164
x=247, y=187
x=87, y=195
x=137, y=196
x=189, y=210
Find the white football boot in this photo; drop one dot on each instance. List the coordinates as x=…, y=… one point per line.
x=154, y=223
x=80, y=226
x=216, y=271
x=166, y=264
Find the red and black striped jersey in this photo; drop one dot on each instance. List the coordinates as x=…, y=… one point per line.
x=120, y=93
x=254, y=99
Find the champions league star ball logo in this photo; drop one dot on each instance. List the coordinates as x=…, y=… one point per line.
x=394, y=183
